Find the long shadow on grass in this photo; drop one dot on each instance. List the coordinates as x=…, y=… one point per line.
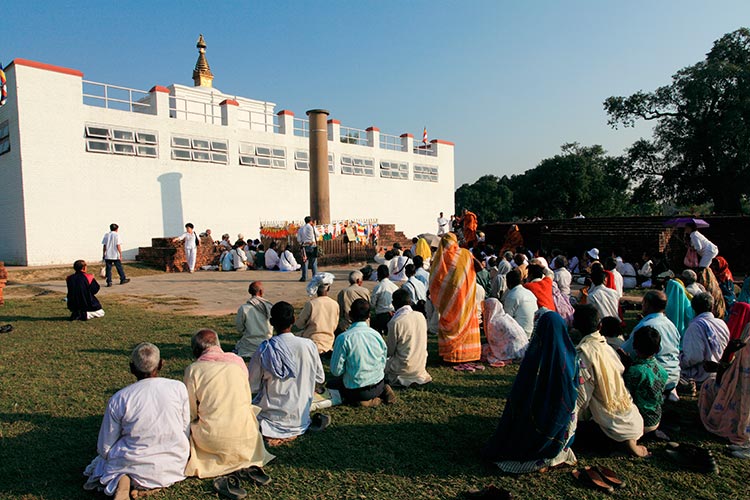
x=47, y=460
x=10, y=319
x=168, y=352
x=404, y=449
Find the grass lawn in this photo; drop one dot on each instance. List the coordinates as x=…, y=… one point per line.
x=40, y=274
x=56, y=378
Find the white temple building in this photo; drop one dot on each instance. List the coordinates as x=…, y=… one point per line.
x=77, y=155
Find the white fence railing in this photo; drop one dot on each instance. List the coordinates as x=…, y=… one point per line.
x=186, y=109
x=301, y=127
x=391, y=142
x=257, y=120
x=425, y=150
x=354, y=136
x=107, y=96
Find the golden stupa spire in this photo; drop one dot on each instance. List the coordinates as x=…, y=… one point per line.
x=202, y=75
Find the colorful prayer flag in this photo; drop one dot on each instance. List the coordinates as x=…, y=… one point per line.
x=424, y=136
x=3, y=86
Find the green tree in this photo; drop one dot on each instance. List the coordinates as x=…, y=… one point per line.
x=700, y=149
x=581, y=179
x=490, y=197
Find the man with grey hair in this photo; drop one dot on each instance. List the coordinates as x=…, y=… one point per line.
x=704, y=339
x=498, y=285
x=318, y=320
x=252, y=322
x=224, y=435
x=354, y=291
x=690, y=280
x=143, y=441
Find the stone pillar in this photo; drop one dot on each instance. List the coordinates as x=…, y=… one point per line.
x=373, y=137
x=159, y=101
x=229, y=112
x=407, y=142
x=320, y=203
x=286, y=122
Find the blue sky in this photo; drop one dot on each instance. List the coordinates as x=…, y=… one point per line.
x=508, y=82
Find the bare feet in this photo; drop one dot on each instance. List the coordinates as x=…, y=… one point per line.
x=123, y=488
x=635, y=449
x=143, y=493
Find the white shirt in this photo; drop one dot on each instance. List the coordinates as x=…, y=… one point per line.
x=111, y=241
x=618, y=281
x=144, y=434
x=397, y=268
x=605, y=300
x=272, y=258
x=442, y=226
x=704, y=247
x=189, y=240
x=381, y=297
x=563, y=279
x=423, y=276
x=521, y=304
x=239, y=259
x=307, y=235
x=417, y=290
x=285, y=404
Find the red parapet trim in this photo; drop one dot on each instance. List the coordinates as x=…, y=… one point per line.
x=334, y=121
x=285, y=112
x=438, y=141
x=410, y=136
x=229, y=102
x=159, y=88
x=46, y=67
x=372, y=129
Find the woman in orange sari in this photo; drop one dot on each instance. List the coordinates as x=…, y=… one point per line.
x=453, y=293
x=513, y=240
x=469, y=220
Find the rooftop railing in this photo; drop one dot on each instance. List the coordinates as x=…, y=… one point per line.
x=391, y=142
x=107, y=96
x=187, y=109
x=357, y=136
x=256, y=120
x=301, y=127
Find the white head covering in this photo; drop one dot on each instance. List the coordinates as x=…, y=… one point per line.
x=594, y=253
x=319, y=279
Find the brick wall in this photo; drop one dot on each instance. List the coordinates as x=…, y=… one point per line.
x=168, y=255
x=630, y=236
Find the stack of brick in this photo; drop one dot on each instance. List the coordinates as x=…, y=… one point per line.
x=169, y=255
x=3, y=281
x=388, y=236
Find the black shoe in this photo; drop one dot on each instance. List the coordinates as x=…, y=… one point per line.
x=109, y=284
x=126, y=280
x=6, y=328
x=302, y=279
x=319, y=422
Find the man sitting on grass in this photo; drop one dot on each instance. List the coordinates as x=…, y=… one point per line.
x=358, y=358
x=82, y=290
x=252, y=322
x=143, y=441
x=224, y=435
x=283, y=374
x=407, y=344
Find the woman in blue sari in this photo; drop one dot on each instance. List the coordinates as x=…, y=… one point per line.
x=538, y=424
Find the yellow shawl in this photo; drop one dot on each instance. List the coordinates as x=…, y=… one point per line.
x=610, y=386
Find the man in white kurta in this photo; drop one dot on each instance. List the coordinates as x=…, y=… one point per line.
x=704, y=339
x=519, y=302
x=407, y=344
x=706, y=249
x=283, y=374
x=143, y=441
x=605, y=300
x=252, y=322
x=191, y=245
x=224, y=435
x=272, y=258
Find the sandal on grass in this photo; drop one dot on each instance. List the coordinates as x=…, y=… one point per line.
x=693, y=458
x=589, y=477
x=609, y=476
x=229, y=486
x=255, y=474
x=464, y=367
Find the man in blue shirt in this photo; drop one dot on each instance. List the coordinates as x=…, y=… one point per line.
x=358, y=362
x=653, y=306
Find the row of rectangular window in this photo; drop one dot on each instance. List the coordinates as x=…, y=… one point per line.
x=215, y=151
x=4, y=137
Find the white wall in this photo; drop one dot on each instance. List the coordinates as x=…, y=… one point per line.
x=73, y=195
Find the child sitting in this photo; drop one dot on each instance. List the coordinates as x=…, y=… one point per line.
x=611, y=329
x=646, y=378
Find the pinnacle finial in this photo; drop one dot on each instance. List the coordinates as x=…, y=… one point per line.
x=202, y=76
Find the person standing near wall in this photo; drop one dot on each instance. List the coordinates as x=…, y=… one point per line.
x=112, y=254
x=308, y=238
x=191, y=245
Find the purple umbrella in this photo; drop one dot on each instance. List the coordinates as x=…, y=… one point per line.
x=684, y=221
